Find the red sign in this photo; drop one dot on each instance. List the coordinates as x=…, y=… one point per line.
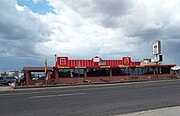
x=62, y=61
x=126, y=61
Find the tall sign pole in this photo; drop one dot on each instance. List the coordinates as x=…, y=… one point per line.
x=156, y=49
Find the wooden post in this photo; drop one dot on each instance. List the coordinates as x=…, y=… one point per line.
x=133, y=71
x=27, y=78
x=111, y=77
x=56, y=76
x=85, y=74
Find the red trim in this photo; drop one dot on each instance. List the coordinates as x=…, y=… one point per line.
x=108, y=63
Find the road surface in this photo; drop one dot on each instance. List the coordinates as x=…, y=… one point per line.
x=99, y=100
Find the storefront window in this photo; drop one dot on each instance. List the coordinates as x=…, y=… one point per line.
x=136, y=71
x=129, y=71
x=140, y=71
x=71, y=72
x=165, y=70
x=118, y=71
x=37, y=76
x=91, y=72
x=148, y=71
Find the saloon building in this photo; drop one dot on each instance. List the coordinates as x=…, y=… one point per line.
x=99, y=70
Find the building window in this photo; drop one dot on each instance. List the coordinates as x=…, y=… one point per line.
x=71, y=72
x=92, y=72
x=129, y=71
x=118, y=71
x=37, y=76
x=64, y=73
x=140, y=72
x=165, y=70
x=62, y=61
x=136, y=71
x=148, y=71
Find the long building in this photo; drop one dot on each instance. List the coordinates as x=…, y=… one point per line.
x=100, y=70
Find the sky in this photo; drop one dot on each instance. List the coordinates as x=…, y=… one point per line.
x=82, y=29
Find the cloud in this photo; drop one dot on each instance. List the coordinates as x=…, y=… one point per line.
x=20, y=31
x=19, y=8
x=102, y=12
x=134, y=24
x=36, y=1
x=74, y=35
x=140, y=22
x=83, y=29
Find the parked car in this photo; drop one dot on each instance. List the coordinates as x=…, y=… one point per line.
x=8, y=80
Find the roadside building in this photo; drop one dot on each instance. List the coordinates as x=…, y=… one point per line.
x=10, y=73
x=1, y=74
x=97, y=69
x=35, y=75
x=175, y=71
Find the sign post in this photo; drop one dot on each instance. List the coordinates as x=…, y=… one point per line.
x=156, y=49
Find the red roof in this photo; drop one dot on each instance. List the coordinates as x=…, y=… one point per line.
x=97, y=62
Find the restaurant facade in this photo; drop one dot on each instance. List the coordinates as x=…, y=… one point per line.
x=95, y=70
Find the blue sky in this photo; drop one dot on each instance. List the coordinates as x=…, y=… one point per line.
x=41, y=6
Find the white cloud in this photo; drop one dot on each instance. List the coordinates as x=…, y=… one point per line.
x=112, y=28
x=19, y=8
x=83, y=29
x=75, y=36
x=136, y=23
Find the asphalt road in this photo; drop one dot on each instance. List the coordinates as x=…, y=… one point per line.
x=100, y=100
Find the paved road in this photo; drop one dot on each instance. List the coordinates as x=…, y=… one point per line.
x=90, y=100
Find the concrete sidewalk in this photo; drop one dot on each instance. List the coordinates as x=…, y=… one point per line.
x=127, y=82
x=96, y=83
x=171, y=111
